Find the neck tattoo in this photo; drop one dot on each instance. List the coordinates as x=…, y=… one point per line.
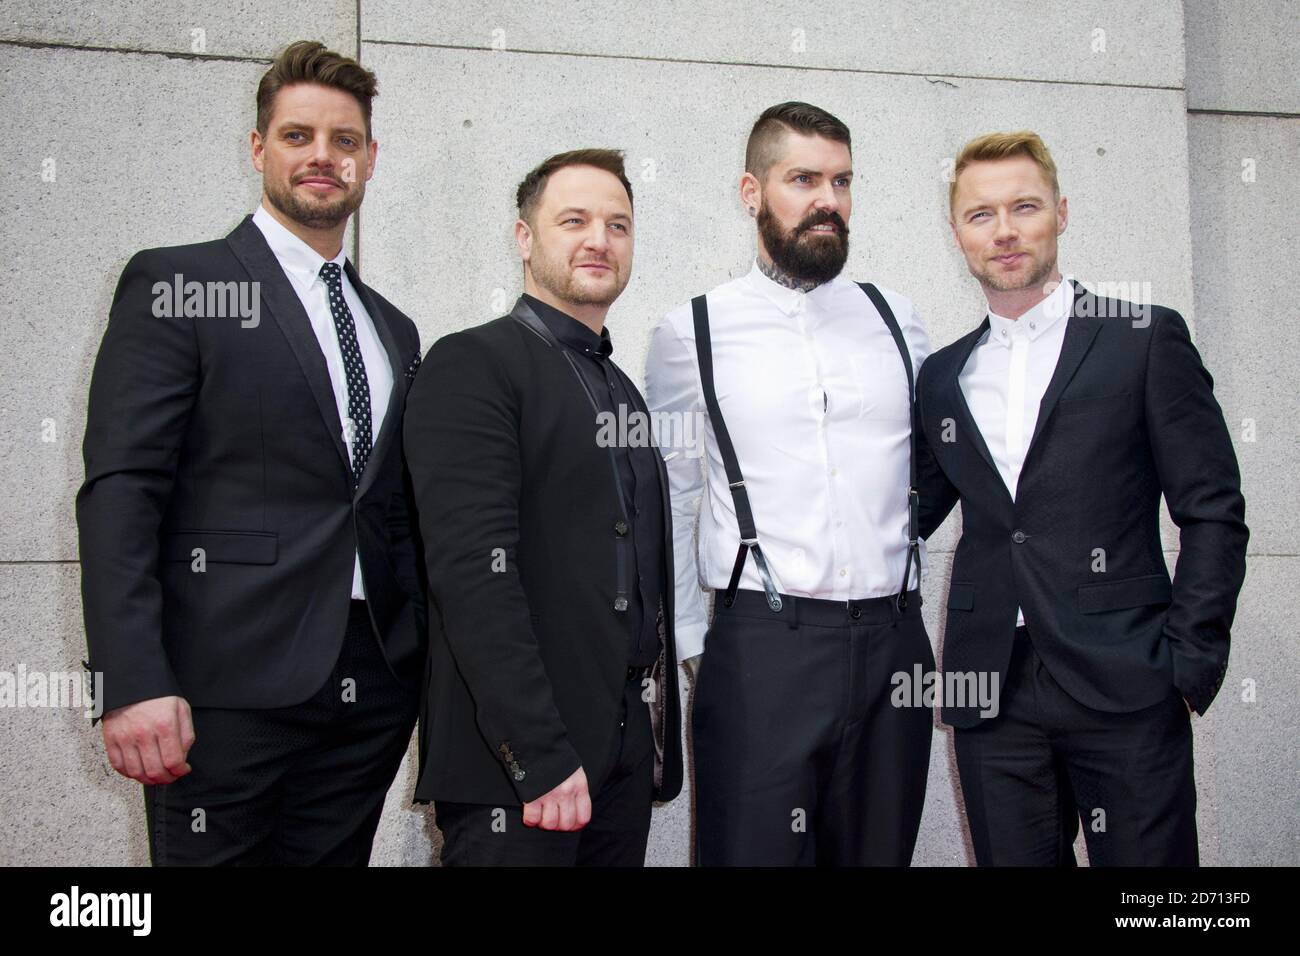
x=781, y=277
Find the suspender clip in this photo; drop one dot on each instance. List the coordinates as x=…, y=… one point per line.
x=913, y=516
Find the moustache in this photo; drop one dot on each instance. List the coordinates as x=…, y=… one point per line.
x=337, y=182
x=821, y=218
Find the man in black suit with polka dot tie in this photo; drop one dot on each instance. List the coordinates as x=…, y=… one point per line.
x=249, y=574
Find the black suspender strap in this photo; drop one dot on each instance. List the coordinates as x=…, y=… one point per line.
x=913, y=497
x=735, y=481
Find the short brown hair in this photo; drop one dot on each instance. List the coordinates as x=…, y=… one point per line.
x=1002, y=146
x=760, y=151
x=530, y=190
x=307, y=61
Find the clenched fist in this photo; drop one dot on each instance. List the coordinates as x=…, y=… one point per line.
x=149, y=740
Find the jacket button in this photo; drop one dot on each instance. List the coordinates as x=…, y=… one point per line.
x=1019, y=536
x=620, y=528
x=620, y=604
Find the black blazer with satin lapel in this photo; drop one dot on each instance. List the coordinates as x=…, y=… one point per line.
x=1129, y=414
x=519, y=508
x=222, y=435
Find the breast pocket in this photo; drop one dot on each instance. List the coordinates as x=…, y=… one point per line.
x=881, y=385
x=1099, y=407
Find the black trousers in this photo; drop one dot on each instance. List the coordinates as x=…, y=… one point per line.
x=1044, y=761
x=800, y=757
x=477, y=834
x=293, y=785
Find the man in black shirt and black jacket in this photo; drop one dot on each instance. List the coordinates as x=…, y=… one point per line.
x=551, y=719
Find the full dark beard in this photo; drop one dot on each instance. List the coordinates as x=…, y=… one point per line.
x=804, y=256
x=315, y=215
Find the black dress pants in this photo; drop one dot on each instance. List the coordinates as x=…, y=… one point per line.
x=801, y=759
x=295, y=785
x=476, y=834
x=1030, y=774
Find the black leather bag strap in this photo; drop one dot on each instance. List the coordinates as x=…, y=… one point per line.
x=735, y=480
x=913, y=497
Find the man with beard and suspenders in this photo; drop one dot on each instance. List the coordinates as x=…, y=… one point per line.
x=808, y=534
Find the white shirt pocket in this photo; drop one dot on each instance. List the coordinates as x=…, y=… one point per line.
x=881, y=383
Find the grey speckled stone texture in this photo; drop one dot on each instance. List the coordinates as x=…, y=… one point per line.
x=149, y=140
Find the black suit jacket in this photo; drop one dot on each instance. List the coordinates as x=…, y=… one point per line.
x=519, y=510
x=203, y=433
x=1129, y=414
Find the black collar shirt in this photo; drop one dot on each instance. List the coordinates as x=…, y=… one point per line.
x=637, y=471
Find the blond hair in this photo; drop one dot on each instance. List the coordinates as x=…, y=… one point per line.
x=1002, y=146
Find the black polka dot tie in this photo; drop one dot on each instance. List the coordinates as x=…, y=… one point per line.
x=356, y=432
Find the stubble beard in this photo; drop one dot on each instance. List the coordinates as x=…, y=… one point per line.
x=1036, y=277
x=315, y=214
x=564, y=284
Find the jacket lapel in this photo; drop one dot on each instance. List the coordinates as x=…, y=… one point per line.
x=966, y=420
x=1080, y=331
x=397, y=395
x=523, y=312
x=251, y=249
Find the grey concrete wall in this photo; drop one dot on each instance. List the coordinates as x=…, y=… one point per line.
x=1243, y=139
x=146, y=123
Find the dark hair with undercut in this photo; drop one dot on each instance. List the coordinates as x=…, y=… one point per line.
x=307, y=61
x=530, y=190
x=761, y=153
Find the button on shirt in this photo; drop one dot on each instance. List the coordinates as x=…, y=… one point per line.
x=814, y=394
x=1006, y=377
x=301, y=263
x=637, y=471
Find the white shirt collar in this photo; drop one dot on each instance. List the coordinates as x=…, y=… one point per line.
x=294, y=255
x=1038, y=320
x=784, y=298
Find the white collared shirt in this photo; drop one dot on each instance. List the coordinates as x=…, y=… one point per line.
x=1006, y=376
x=301, y=263
x=814, y=395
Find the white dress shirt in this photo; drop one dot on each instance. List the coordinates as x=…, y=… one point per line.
x=814, y=395
x=1006, y=376
x=301, y=263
